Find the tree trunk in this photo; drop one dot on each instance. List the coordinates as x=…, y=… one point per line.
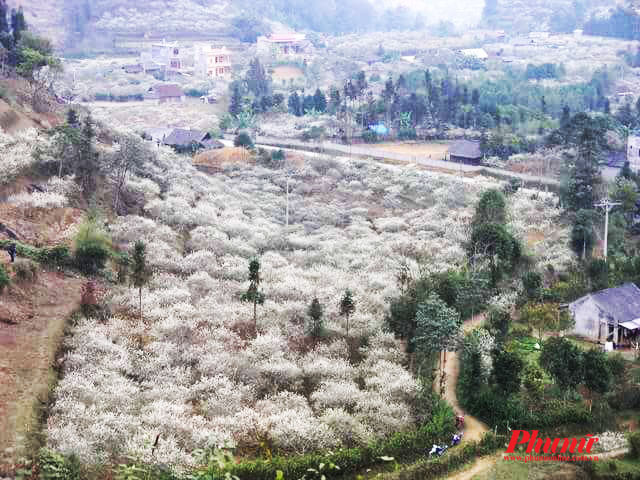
x=255, y=316
x=140, y=299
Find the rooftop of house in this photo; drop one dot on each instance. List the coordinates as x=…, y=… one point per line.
x=286, y=37
x=166, y=91
x=465, y=149
x=181, y=136
x=621, y=304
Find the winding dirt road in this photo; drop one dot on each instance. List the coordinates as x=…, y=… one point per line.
x=474, y=429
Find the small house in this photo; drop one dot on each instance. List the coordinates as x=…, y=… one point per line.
x=633, y=151
x=134, y=68
x=465, y=151
x=213, y=62
x=183, y=140
x=611, y=315
x=165, y=94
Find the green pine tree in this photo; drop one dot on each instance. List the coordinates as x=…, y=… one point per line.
x=347, y=306
x=140, y=272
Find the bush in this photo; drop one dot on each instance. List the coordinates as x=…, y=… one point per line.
x=634, y=442
x=56, y=466
x=402, y=446
x=92, y=249
x=25, y=270
x=407, y=133
x=4, y=279
x=243, y=140
x=57, y=256
x=369, y=136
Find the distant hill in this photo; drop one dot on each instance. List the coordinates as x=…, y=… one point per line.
x=521, y=16
x=94, y=24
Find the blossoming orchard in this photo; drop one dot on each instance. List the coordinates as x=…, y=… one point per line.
x=189, y=372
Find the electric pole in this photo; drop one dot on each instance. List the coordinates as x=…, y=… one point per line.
x=287, y=214
x=607, y=205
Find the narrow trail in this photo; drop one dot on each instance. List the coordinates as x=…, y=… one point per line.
x=474, y=429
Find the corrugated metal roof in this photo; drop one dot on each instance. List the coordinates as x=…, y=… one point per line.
x=465, y=149
x=620, y=304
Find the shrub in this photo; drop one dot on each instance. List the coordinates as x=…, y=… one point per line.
x=4, y=279
x=57, y=256
x=369, y=136
x=56, y=466
x=634, y=442
x=407, y=133
x=243, y=140
x=25, y=270
x=92, y=248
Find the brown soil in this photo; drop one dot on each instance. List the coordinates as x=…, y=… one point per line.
x=435, y=150
x=32, y=321
x=39, y=226
x=216, y=159
x=474, y=429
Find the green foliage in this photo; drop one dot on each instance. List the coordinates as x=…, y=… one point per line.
x=491, y=208
x=347, y=306
x=563, y=361
x=253, y=293
x=54, y=466
x=495, y=242
x=455, y=459
x=498, y=323
x=4, y=278
x=315, y=312
x=597, y=375
x=369, y=136
x=437, y=325
x=507, y=368
x=533, y=383
x=92, y=248
x=598, y=271
x=403, y=446
x=243, y=140
x=313, y=133
x=617, y=366
x=634, y=443
x=532, y=284
x=546, y=317
x=582, y=235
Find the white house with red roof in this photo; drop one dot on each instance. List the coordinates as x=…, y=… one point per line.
x=285, y=45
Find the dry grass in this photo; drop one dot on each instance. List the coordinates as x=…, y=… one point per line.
x=433, y=150
x=217, y=159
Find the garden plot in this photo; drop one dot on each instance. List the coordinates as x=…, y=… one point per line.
x=433, y=150
x=192, y=372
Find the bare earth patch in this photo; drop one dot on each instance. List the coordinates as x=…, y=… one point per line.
x=33, y=321
x=434, y=150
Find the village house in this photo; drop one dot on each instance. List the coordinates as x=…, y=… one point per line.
x=633, y=151
x=183, y=140
x=294, y=46
x=133, y=68
x=212, y=62
x=165, y=94
x=611, y=315
x=164, y=56
x=465, y=151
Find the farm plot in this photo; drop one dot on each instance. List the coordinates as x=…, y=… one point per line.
x=194, y=372
x=433, y=150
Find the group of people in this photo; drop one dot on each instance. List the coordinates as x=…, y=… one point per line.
x=439, y=450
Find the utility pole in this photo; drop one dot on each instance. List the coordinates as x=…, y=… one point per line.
x=287, y=214
x=607, y=205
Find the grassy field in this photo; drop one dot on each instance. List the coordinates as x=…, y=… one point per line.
x=434, y=150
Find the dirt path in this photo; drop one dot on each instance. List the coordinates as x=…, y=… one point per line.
x=32, y=322
x=474, y=429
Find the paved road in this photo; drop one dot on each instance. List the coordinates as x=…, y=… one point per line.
x=378, y=154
